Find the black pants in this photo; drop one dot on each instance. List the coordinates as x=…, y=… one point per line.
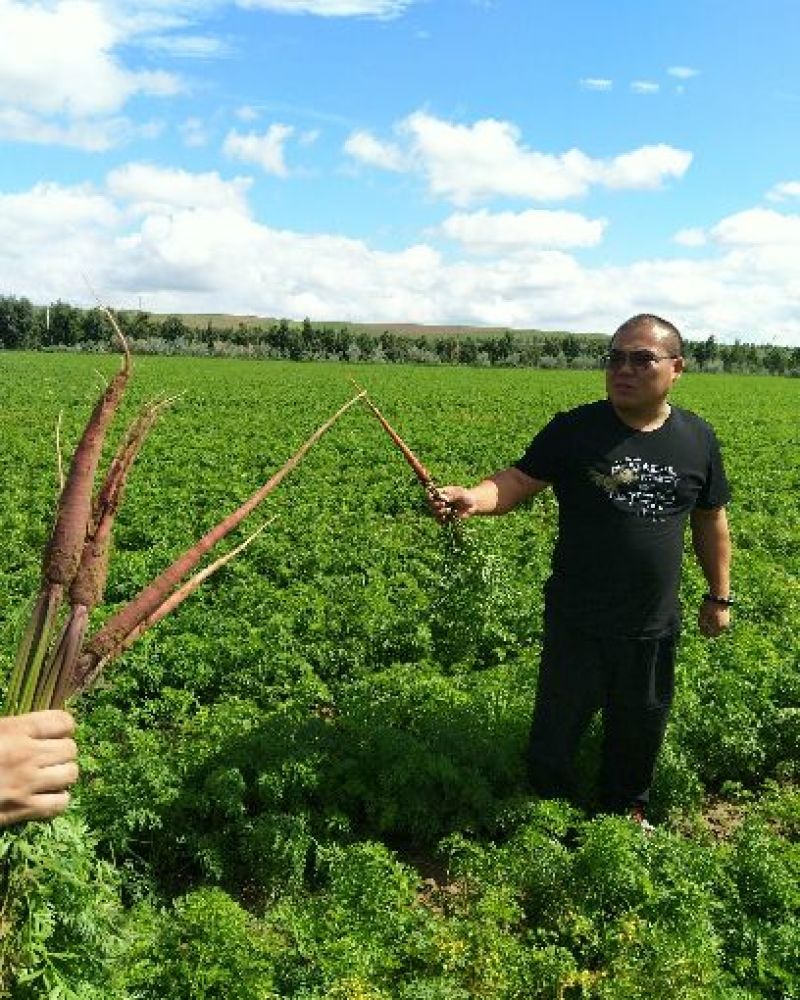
x=631, y=680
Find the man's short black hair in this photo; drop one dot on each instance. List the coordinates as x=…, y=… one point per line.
x=648, y=320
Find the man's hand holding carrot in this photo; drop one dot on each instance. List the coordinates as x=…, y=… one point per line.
x=452, y=502
x=37, y=765
x=498, y=494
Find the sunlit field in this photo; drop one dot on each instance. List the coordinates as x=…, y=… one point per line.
x=308, y=782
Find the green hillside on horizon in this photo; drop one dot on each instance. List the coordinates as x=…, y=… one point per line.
x=226, y=321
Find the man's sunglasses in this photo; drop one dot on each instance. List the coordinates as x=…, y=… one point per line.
x=639, y=360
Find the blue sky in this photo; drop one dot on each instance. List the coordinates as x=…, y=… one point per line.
x=489, y=162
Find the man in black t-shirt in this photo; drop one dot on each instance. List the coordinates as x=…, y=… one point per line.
x=627, y=472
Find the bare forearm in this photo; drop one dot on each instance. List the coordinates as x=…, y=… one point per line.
x=497, y=494
x=486, y=498
x=503, y=491
x=712, y=546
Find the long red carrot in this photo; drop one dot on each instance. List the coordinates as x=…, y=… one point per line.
x=63, y=552
x=421, y=472
x=88, y=584
x=65, y=686
x=186, y=589
x=109, y=640
x=64, y=655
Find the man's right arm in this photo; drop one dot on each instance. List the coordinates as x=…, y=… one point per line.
x=498, y=494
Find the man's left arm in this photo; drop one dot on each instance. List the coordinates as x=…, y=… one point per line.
x=712, y=545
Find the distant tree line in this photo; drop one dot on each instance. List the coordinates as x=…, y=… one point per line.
x=60, y=326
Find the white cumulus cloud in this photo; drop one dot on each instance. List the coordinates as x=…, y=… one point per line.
x=58, y=59
x=190, y=243
x=266, y=150
x=501, y=232
x=645, y=168
x=92, y=135
x=52, y=233
x=784, y=191
x=246, y=113
x=465, y=163
x=758, y=227
x=49, y=206
x=645, y=87
x=691, y=237
x=62, y=82
x=363, y=146
x=147, y=189
x=187, y=46
x=488, y=159
x=193, y=132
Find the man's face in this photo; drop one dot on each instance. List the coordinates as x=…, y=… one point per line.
x=631, y=387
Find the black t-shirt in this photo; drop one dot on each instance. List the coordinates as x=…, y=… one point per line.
x=623, y=498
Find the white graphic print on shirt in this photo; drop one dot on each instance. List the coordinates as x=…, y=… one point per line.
x=644, y=487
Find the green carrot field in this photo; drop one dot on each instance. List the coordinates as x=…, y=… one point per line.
x=308, y=782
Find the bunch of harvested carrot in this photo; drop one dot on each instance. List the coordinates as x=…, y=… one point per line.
x=49, y=670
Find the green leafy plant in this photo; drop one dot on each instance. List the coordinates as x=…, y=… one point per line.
x=204, y=947
x=61, y=914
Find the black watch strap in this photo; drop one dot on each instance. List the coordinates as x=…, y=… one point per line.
x=726, y=602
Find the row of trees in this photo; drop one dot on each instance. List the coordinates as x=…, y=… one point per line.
x=24, y=326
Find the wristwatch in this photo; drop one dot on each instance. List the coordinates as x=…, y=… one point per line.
x=726, y=602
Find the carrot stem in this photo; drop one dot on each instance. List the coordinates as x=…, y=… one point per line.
x=32, y=651
x=51, y=682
